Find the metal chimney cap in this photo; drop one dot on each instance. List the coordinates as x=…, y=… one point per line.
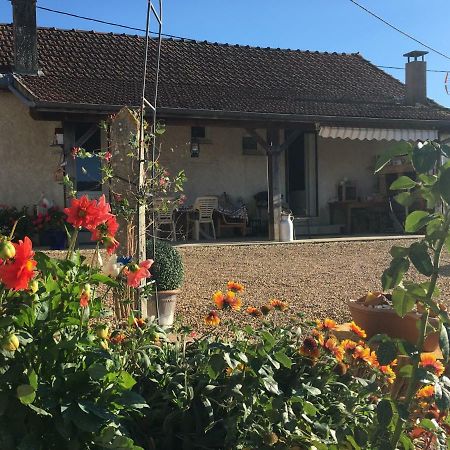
x=415, y=54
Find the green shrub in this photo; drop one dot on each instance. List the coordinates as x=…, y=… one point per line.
x=167, y=269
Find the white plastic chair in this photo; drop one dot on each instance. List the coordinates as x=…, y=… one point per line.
x=205, y=206
x=164, y=216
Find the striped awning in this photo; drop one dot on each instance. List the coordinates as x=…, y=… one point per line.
x=377, y=134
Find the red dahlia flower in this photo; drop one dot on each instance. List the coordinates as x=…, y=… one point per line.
x=16, y=273
x=87, y=213
x=105, y=233
x=136, y=273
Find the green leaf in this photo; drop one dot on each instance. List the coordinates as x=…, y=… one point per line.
x=386, y=352
x=271, y=385
x=309, y=408
x=444, y=342
x=97, y=371
x=424, y=158
x=283, y=359
x=26, y=393
x=444, y=184
x=405, y=199
x=402, y=301
x=311, y=389
x=394, y=274
x=384, y=413
x=216, y=366
x=33, y=379
x=419, y=256
x=402, y=182
x=100, y=278
x=417, y=220
x=125, y=380
x=400, y=149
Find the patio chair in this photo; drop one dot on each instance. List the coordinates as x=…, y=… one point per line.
x=205, y=207
x=164, y=216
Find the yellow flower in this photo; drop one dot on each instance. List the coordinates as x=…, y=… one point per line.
x=326, y=325
x=278, y=304
x=212, y=319
x=357, y=330
x=426, y=391
x=348, y=344
x=389, y=372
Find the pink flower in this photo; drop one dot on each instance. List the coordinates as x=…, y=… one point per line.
x=137, y=273
x=108, y=156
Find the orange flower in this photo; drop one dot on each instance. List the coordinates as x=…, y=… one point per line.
x=254, y=312
x=234, y=286
x=310, y=348
x=417, y=432
x=429, y=361
x=389, y=372
x=426, y=391
x=218, y=299
x=326, y=325
x=333, y=346
x=212, y=319
x=139, y=322
x=348, y=344
x=372, y=359
x=229, y=300
x=87, y=213
x=278, y=305
x=361, y=352
x=117, y=338
x=357, y=330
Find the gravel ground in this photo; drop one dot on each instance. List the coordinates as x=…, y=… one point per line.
x=316, y=279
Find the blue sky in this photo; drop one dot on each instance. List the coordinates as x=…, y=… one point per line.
x=324, y=25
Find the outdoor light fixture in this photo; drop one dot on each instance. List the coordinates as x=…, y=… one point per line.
x=58, y=138
x=195, y=148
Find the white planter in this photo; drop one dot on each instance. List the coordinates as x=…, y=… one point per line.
x=167, y=301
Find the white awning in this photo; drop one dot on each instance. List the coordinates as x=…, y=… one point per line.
x=377, y=134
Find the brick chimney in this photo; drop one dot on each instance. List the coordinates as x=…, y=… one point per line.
x=416, y=77
x=25, y=37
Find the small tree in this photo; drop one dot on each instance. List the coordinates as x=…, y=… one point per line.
x=432, y=184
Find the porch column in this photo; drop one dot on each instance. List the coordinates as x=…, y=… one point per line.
x=274, y=183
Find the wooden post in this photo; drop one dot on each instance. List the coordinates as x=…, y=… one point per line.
x=125, y=163
x=274, y=183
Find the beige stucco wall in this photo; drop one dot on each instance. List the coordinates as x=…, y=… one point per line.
x=345, y=158
x=221, y=166
x=27, y=163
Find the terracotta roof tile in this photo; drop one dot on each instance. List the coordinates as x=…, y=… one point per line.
x=105, y=69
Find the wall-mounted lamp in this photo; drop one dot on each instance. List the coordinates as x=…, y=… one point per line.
x=195, y=149
x=58, y=138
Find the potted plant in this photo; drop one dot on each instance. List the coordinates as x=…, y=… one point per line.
x=376, y=314
x=167, y=274
x=51, y=227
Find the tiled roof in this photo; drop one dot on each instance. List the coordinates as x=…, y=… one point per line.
x=81, y=67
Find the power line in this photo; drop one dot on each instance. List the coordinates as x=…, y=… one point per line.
x=400, y=31
x=402, y=68
x=114, y=24
x=91, y=19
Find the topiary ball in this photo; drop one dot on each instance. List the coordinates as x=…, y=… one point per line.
x=167, y=269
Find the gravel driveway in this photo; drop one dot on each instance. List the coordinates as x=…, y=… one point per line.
x=316, y=279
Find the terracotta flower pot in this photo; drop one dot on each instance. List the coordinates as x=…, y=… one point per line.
x=167, y=301
x=387, y=321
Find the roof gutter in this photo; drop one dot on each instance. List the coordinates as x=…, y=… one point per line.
x=168, y=113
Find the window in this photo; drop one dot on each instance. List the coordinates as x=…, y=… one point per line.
x=198, y=132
